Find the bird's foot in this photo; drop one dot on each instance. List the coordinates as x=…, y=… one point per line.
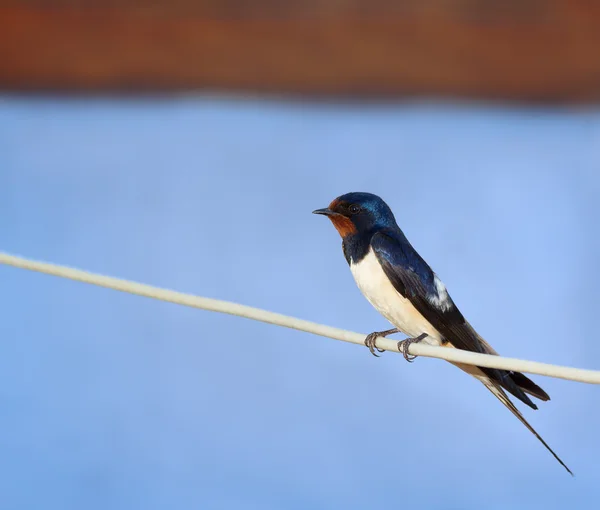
x=372, y=338
x=403, y=346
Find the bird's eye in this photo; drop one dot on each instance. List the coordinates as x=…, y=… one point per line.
x=354, y=209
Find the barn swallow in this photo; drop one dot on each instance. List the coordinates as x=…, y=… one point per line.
x=404, y=289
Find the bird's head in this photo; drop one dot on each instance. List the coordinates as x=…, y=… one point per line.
x=358, y=213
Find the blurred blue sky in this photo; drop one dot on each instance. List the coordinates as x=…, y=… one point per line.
x=114, y=401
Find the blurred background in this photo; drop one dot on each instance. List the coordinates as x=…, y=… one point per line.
x=184, y=144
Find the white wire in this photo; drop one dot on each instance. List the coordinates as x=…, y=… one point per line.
x=216, y=305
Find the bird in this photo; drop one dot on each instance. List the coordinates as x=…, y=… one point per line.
x=398, y=282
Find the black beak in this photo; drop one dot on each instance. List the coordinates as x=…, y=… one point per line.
x=325, y=212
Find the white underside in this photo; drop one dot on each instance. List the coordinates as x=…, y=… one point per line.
x=380, y=292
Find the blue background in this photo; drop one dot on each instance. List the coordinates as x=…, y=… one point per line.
x=114, y=401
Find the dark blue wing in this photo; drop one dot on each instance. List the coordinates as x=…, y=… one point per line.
x=414, y=279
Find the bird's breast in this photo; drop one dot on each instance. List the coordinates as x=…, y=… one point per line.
x=377, y=288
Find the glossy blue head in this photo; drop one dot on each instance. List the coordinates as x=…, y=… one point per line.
x=359, y=213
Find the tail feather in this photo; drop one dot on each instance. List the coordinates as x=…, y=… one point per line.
x=528, y=386
x=502, y=397
x=506, y=381
x=514, y=382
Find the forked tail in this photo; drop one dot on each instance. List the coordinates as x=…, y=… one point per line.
x=502, y=397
